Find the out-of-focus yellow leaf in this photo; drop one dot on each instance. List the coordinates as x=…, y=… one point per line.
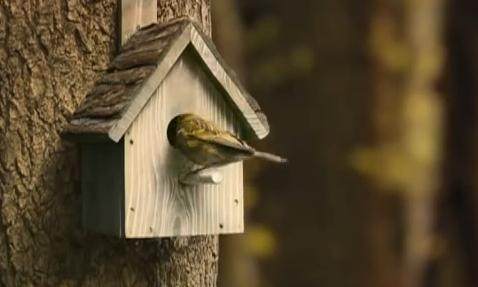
x=423, y=113
x=261, y=241
x=388, y=167
x=265, y=32
x=387, y=46
x=429, y=66
x=251, y=197
x=302, y=59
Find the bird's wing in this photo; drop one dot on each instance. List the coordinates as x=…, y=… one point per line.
x=207, y=132
x=224, y=139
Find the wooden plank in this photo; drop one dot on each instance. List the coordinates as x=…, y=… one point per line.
x=156, y=205
x=102, y=188
x=89, y=126
x=154, y=34
x=103, y=101
x=136, y=14
x=127, y=77
x=139, y=57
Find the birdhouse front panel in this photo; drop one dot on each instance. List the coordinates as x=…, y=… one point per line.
x=156, y=203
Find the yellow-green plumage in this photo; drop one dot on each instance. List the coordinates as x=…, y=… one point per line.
x=206, y=145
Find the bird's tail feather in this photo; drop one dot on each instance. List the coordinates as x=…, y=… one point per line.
x=269, y=157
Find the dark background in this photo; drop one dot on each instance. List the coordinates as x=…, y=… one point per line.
x=373, y=103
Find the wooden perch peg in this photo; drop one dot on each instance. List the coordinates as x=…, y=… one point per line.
x=211, y=176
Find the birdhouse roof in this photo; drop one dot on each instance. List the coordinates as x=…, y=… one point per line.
x=119, y=95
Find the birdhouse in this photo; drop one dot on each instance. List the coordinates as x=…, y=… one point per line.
x=129, y=172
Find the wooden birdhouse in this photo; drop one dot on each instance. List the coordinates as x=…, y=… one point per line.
x=129, y=172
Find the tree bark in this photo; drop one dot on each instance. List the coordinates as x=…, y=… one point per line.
x=198, y=10
x=51, y=53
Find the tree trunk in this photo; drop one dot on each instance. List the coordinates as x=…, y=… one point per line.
x=458, y=205
x=51, y=52
x=407, y=49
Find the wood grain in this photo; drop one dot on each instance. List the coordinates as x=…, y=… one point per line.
x=156, y=205
x=136, y=14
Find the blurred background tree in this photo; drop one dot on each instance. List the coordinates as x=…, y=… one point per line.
x=374, y=103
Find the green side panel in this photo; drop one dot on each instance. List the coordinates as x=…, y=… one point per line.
x=102, y=179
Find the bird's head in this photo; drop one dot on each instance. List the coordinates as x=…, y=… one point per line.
x=175, y=125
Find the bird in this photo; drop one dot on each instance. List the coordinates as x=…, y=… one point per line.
x=203, y=143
